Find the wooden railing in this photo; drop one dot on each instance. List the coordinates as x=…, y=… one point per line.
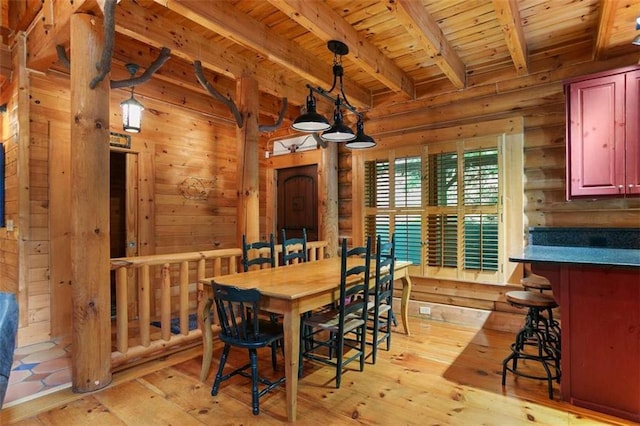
x=158, y=288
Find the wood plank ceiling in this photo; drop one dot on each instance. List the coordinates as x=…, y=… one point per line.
x=399, y=49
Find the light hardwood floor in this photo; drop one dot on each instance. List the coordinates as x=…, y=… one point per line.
x=443, y=374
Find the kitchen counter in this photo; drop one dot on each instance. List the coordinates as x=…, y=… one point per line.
x=595, y=275
x=596, y=256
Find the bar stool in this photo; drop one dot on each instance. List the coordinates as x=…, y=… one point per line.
x=535, y=341
x=535, y=282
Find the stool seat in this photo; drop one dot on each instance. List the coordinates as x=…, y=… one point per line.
x=530, y=299
x=535, y=281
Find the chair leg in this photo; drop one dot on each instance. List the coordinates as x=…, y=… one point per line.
x=274, y=349
x=339, y=354
x=218, y=380
x=362, y=337
x=374, y=349
x=253, y=356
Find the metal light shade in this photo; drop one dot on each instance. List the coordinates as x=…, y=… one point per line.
x=636, y=41
x=311, y=121
x=362, y=140
x=339, y=132
x=131, y=114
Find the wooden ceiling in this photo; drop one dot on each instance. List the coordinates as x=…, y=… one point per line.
x=399, y=49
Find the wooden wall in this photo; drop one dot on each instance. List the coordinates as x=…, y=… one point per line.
x=187, y=190
x=186, y=193
x=539, y=99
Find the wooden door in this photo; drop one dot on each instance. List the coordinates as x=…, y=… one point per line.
x=596, y=136
x=297, y=203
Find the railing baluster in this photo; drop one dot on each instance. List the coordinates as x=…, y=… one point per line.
x=144, y=294
x=165, y=303
x=122, y=315
x=184, y=298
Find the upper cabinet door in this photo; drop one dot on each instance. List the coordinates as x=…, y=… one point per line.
x=633, y=133
x=596, y=136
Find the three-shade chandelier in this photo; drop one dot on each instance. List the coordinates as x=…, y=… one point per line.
x=313, y=122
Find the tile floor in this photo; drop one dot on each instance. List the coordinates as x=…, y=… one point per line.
x=39, y=368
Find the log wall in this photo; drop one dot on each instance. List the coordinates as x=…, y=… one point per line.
x=187, y=180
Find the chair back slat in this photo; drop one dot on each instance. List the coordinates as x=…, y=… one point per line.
x=294, y=248
x=385, y=266
x=353, y=297
x=237, y=310
x=258, y=246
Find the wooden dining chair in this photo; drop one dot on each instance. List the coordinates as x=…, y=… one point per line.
x=259, y=246
x=294, y=249
x=336, y=335
x=240, y=329
x=381, y=305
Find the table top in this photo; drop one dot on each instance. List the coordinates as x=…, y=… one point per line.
x=593, y=256
x=294, y=281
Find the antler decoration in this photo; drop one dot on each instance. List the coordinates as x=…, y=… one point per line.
x=104, y=67
x=163, y=57
x=273, y=127
x=197, y=65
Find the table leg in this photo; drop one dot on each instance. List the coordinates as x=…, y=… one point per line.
x=207, y=340
x=291, y=355
x=404, y=305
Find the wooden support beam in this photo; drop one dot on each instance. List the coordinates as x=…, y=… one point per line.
x=224, y=19
x=91, y=344
x=248, y=162
x=327, y=25
x=139, y=23
x=509, y=17
x=608, y=10
x=415, y=19
x=52, y=28
x=328, y=198
x=24, y=186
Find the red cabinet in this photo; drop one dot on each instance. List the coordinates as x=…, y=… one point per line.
x=603, y=134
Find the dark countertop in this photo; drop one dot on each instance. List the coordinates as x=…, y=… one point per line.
x=579, y=256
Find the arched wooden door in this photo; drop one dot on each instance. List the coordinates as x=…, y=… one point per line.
x=297, y=203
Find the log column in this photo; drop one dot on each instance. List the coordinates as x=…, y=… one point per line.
x=91, y=342
x=248, y=163
x=329, y=200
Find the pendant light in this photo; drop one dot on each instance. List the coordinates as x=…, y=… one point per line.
x=131, y=108
x=313, y=122
x=339, y=132
x=361, y=140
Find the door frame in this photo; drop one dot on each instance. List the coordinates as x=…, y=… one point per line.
x=326, y=160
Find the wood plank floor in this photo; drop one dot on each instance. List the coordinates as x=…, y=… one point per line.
x=443, y=374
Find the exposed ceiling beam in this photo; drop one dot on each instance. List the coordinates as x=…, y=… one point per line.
x=508, y=15
x=425, y=30
x=52, y=28
x=605, y=26
x=139, y=23
x=227, y=21
x=327, y=25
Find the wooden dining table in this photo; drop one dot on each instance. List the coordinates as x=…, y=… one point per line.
x=292, y=290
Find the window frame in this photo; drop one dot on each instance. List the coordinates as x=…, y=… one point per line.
x=506, y=173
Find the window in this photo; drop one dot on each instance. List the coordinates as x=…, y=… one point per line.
x=443, y=202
